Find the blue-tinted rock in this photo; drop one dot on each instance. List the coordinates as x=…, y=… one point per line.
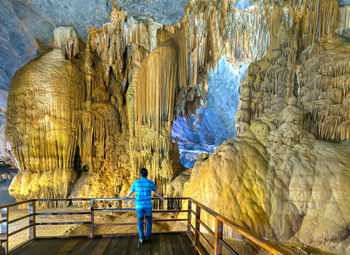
x=205, y=131
x=243, y=4
x=163, y=11
x=344, y=2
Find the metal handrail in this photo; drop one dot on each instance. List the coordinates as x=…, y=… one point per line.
x=193, y=231
x=219, y=243
x=5, y=222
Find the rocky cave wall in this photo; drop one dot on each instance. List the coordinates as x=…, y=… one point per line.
x=213, y=123
x=286, y=176
x=306, y=71
x=135, y=78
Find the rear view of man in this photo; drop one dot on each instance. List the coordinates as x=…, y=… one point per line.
x=143, y=203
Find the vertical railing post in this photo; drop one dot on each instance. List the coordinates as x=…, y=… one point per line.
x=219, y=229
x=7, y=230
x=189, y=214
x=92, y=218
x=3, y=217
x=4, y=226
x=196, y=233
x=31, y=211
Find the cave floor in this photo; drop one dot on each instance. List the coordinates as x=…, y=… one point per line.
x=160, y=244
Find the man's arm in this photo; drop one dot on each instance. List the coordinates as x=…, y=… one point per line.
x=154, y=189
x=158, y=195
x=132, y=190
x=129, y=194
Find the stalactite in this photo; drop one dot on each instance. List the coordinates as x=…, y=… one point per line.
x=310, y=70
x=66, y=39
x=344, y=21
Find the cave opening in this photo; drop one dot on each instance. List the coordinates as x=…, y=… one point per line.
x=214, y=123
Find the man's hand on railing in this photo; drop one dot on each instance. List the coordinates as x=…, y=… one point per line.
x=158, y=195
x=127, y=196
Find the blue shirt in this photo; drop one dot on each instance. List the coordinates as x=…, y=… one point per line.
x=143, y=188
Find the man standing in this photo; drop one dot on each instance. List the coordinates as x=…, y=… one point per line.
x=143, y=203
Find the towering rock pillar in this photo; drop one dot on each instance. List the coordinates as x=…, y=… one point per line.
x=151, y=102
x=42, y=98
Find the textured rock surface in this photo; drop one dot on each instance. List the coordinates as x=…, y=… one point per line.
x=23, y=22
x=67, y=40
x=6, y=153
x=45, y=151
x=283, y=178
x=162, y=11
x=213, y=123
x=150, y=71
x=310, y=71
x=279, y=182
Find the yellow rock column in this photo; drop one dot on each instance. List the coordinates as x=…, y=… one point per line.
x=41, y=103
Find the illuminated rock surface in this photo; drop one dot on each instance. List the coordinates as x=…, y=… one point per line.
x=282, y=177
x=211, y=125
x=45, y=150
x=131, y=80
x=315, y=77
x=6, y=152
x=280, y=182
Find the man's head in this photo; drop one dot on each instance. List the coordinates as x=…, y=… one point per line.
x=143, y=172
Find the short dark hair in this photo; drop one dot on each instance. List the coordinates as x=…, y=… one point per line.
x=143, y=172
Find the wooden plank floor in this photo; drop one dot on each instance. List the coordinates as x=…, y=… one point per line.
x=159, y=245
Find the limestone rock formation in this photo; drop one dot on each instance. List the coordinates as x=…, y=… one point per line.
x=67, y=40
x=280, y=182
x=41, y=102
x=118, y=57
x=306, y=65
x=6, y=154
x=283, y=177
x=154, y=100
x=26, y=26
x=151, y=98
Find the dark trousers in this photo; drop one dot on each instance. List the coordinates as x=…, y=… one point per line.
x=147, y=213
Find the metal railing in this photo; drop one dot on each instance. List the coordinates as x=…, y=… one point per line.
x=216, y=247
x=194, y=232
x=6, y=222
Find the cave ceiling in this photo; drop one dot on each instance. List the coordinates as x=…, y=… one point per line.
x=26, y=26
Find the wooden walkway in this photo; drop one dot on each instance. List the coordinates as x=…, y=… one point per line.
x=160, y=244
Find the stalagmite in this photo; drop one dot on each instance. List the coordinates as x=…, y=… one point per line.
x=41, y=106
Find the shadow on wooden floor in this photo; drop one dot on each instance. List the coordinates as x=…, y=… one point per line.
x=159, y=245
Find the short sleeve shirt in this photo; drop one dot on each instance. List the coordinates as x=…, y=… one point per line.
x=143, y=188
